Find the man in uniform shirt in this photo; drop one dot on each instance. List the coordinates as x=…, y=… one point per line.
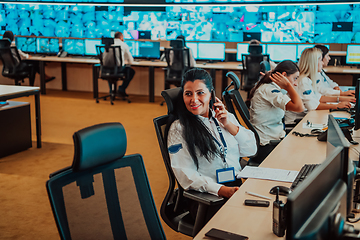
x=126, y=58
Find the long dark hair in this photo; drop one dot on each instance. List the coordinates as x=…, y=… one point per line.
x=197, y=136
x=287, y=66
x=323, y=49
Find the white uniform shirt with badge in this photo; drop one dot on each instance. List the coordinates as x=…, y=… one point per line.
x=325, y=85
x=310, y=98
x=204, y=178
x=267, y=111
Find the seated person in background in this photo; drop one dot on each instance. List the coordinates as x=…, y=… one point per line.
x=269, y=102
x=127, y=59
x=202, y=140
x=255, y=42
x=326, y=86
x=192, y=59
x=24, y=56
x=310, y=64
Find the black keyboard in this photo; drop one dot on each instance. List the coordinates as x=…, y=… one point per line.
x=303, y=173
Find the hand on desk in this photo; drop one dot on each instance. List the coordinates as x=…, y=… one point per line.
x=227, y=192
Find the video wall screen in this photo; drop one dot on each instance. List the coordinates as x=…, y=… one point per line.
x=270, y=24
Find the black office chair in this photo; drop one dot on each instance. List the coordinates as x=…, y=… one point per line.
x=13, y=67
x=236, y=105
x=178, y=62
x=174, y=208
x=111, y=69
x=104, y=194
x=251, y=73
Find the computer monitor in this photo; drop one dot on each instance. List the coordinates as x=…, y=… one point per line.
x=281, y=52
x=147, y=49
x=301, y=48
x=132, y=48
x=26, y=44
x=242, y=48
x=74, y=46
x=353, y=54
x=248, y=36
x=144, y=34
x=49, y=46
x=211, y=51
x=194, y=48
x=90, y=46
x=312, y=206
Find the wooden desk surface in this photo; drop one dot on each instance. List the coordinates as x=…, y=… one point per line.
x=291, y=154
x=142, y=63
x=342, y=70
x=8, y=90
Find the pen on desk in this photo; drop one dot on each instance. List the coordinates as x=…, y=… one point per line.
x=257, y=195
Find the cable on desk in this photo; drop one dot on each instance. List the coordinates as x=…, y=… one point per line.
x=304, y=134
x=352, y=221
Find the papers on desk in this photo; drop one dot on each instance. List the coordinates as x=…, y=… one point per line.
x=268, y=174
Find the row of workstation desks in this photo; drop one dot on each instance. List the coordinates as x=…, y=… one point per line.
x=151, y=65
x=291, y=154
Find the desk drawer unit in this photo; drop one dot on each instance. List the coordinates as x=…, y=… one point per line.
x=15, y=128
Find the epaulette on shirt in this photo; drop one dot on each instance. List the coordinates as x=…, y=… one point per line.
x=275, y=91
x=175, y=148
x=307, y=92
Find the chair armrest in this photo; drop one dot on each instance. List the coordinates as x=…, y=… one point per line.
x=203, y=197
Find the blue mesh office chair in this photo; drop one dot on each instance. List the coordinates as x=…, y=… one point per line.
x=104, y=194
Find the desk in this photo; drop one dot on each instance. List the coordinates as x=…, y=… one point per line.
x=342, y=70
x=10, y=92
x=291, y=154
x=224, y=66
x=63, y=61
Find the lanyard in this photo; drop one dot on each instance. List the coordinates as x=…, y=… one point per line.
x=223, y=147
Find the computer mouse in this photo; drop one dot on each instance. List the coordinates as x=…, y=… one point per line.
x=284, y=191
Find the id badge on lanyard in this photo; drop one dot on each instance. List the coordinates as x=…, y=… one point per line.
x=226, y=174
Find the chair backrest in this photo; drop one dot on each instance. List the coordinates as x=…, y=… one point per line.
x=170, y=207
x=86, y=197
x=111, y=61
x=255, y=49
x=235, y=104
x=178, y=62
x=251, y=65
x=8, y=56
x=265, y=66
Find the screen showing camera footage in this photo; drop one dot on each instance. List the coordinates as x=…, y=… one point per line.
x=269, y=24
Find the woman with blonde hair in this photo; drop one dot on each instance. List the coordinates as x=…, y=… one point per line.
x=310, y=64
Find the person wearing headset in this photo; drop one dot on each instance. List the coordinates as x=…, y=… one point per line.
x=327, y=86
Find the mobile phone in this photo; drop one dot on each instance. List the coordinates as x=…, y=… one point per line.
x=256, y=203
x=220, y=234
x=213, y=99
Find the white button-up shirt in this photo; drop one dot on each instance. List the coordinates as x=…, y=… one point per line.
x=267, y=111
x=203, y=179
